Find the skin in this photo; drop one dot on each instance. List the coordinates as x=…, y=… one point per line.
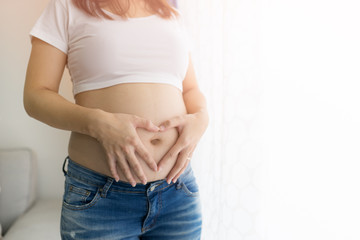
x=134, y=132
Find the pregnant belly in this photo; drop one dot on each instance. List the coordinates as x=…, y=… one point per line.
x=157, y=102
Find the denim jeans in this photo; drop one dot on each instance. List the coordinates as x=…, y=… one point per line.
x=95, y=206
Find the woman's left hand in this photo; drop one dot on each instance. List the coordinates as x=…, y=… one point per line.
x=190, y=127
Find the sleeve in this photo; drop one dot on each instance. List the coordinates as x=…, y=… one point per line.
x=52, y=26
x=185, y=31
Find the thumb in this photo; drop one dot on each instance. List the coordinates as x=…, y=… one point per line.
x=173, y=122
x=145, y=123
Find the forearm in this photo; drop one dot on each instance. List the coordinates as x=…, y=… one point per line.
x=52, y=109
x=195, y=103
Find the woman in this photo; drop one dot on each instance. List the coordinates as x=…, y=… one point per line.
x=137, y=118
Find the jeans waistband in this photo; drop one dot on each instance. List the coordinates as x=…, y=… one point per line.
x=83, y=173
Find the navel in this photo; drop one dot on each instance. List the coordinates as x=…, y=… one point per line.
x=155, y=141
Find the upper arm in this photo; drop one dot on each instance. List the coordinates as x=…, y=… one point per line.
x=49, y=37
x=190, y=81
x=45, y=67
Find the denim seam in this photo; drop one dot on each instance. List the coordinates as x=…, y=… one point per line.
x=84, y=180
x=124, y=191
x=83, y=207
x=158, y=212
x=99, y=186
x=164, y=187
x=188, y=192
x=104, y=190
x=74, y=189
x=172, y=183
x=115, y=190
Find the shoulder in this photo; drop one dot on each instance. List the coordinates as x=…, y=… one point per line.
x=58, y=5
x=67, y=4
x=177, y=10
x=63, y=2
x=179, y=17
x=68, y=7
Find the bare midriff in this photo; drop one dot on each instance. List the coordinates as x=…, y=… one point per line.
x=153, y=101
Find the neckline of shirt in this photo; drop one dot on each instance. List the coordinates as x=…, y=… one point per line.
x=136, y=18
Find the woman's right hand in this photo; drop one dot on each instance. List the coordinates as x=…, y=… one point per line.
x=117, y=134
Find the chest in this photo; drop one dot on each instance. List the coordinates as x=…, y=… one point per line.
x=109, y=45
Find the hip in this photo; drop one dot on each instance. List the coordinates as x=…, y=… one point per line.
x=94, y=204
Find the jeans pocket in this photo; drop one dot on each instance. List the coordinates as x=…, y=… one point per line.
x=190, y=187
x=79, y=195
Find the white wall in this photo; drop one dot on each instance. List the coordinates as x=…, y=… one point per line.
x=17, y=129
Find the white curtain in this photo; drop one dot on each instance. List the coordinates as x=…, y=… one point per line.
x=228, y=162
x=282, y=83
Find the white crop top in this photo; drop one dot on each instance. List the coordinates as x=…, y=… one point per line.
x=103, y=53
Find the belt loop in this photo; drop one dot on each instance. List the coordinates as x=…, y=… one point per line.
x=106, y=187
x=63, y=168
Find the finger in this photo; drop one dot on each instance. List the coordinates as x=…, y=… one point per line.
x=125, y=169
x=180, y=162
x=172, y=153
x=145, y=123
x=184, y=168
x=144, y=154
x=181, y=171
x=170, y=123
x=112, y=166
x=134, y=164
x=180, y=144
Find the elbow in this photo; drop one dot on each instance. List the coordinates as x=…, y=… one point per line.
x=27, y=103
x=191, y=90
x=27, y=107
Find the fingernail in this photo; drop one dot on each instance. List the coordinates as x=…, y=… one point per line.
x=133, y=184
x=169, y=181
x=160, y=168
x=162, y=128
x=175, y=180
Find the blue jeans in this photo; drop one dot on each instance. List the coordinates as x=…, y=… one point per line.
x=95, y=206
